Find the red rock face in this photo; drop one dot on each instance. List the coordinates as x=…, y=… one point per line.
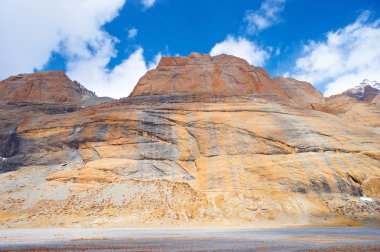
x=203, y=74
x=42, y=87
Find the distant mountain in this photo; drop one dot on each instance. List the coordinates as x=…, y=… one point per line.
x=365, y=91
x=358, y=105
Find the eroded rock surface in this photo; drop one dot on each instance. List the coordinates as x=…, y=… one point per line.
x=237, y=157
x=356, y=109
x=42, y=87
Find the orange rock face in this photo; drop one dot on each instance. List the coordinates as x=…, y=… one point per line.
x=300, y=92
x=364, y=112
x=202, y=141
x=42, y=87
x=203, y=74
x=224, y=75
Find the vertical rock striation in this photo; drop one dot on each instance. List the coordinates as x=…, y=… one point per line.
x=201, y=141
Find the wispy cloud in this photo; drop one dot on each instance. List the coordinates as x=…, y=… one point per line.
x=258, y=20
x=346, y=56
x=148, y=3
x=243, y=48
x=132, y=33
x=267, y=15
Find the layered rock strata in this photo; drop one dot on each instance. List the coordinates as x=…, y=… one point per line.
x=200, y=142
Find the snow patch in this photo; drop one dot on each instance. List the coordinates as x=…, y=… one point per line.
x=366, y=199
x=358, y=91
x=366, y=82
x=2, y=159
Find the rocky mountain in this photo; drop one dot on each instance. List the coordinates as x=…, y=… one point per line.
x=365, y=91
x=204, y=76
x=42, y=87
x=359, y=105
x=201, y=141
x=33, y=95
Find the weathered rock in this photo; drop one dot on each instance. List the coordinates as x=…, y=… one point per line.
x=214, y=157
x=26, y=96
x=371, y=187
x=42, y=87
x=300, y=92
x=351, y=109
x=203, y=74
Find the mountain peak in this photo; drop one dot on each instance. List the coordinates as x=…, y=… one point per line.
x=366, y=82
x=365, y=91
x=42, y=87
x=205, y=74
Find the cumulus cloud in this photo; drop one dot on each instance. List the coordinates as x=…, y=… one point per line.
x=242, y=48
x=118, y=82
x=344, y=58
x=148, y=3
x=32, y=30
x=132, y=33
x=266, y=16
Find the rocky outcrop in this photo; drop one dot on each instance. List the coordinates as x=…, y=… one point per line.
x=212, y=158
x=42, y=87
x=29, y=96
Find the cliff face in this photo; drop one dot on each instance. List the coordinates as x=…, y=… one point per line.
x=204, y=76
x=230, y=153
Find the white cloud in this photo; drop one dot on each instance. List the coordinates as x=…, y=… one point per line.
x=346, y=57
x=242, y=48
x=132, y=33
x=266, y=16
x=32, y=30
x=118, y=82
x=148, y=3
x=153, y=64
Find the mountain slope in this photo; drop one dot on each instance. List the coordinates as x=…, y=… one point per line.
x=191, y=159
x=359, y=105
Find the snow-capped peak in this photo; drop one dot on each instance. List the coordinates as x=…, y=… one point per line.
x=366, y=82
x=365, y=91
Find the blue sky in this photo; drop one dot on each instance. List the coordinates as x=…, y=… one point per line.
x=181, y=27
x=109, y=45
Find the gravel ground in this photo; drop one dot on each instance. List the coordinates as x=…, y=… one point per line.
x=263, y=239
